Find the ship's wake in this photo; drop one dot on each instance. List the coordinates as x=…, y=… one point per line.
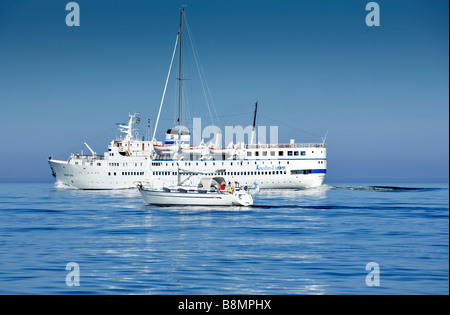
x=382, y=188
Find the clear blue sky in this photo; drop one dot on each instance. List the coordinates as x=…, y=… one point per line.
x=381, y=92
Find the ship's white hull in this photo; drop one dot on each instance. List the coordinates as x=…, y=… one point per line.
x=95, y=177
x=268, y=174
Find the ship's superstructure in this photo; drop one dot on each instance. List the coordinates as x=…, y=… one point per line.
x=273, y=166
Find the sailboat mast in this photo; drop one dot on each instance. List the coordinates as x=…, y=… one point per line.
x=180, y=91
x=180, y=78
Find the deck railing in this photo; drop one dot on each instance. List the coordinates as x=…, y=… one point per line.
x=87, y=157
x=285, y=146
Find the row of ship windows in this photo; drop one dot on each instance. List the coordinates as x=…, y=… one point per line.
x=280, y=153
x=126, y=173
x=137, y=144
x=213, y=163
x=294, y=172
x=113, y=164
x=227, y=173
x=124, y=164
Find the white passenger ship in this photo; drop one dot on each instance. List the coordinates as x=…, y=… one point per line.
x=130, y=160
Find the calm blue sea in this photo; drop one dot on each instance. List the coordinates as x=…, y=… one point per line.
x=314, y=241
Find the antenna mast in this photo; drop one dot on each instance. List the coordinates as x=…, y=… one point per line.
x=254, y=124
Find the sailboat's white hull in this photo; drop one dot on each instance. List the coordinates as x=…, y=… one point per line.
x=166, y=198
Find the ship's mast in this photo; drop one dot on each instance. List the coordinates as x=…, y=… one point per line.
x=254, y=124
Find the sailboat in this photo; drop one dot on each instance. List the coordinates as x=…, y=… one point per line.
x=210, y=191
